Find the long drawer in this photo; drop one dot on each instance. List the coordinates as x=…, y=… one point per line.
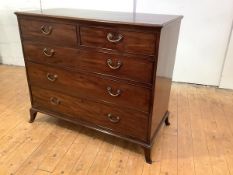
x=49, y=32
x=136, y=42
x=126, y=67
x=126, y=122
x=89, y=86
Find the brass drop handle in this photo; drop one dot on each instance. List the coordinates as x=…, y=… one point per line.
x=114, y=67
x=48, y=52
x=52, y=77
x=46, y=30
x=110, y=38
x=54, y=101
x=118, y=92
x=113, y=118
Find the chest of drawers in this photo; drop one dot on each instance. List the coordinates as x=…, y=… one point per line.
x=107, y=71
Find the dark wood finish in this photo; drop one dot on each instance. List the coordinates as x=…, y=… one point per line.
x=130, y=41
x=60, y=34
x=33, y=114
x=151, y=21
x=134, y=68
x=81, y=84
x=107, y=71
x=130, y=123
x=147, y=151
x=163, y=73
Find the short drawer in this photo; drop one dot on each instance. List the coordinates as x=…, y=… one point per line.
x=125, y=67
x=136, y=42
x=48, y=32
x=126, y=122
x=81, y=84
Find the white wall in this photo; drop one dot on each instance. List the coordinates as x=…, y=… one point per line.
x=203, y=36
x=227, y=74
x=110, y=5
x=10, y=47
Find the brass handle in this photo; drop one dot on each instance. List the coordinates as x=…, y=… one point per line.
x=54, y=101
x=113, y=119
x=114, y=67
x=118, y=92
x=46, y=30
x=51, y=77
x=110, y=38
x=48, y=52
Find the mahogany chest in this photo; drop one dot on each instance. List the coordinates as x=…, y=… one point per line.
x=108, y=71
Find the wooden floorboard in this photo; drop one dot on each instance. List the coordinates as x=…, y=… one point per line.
x=199, y=140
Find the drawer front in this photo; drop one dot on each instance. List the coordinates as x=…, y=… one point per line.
x=124, y=41
x=131, y=68
x=125, y=122
x=42, y=31
x=89, y=86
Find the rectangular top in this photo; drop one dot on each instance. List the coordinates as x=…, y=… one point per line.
x=152, y=20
